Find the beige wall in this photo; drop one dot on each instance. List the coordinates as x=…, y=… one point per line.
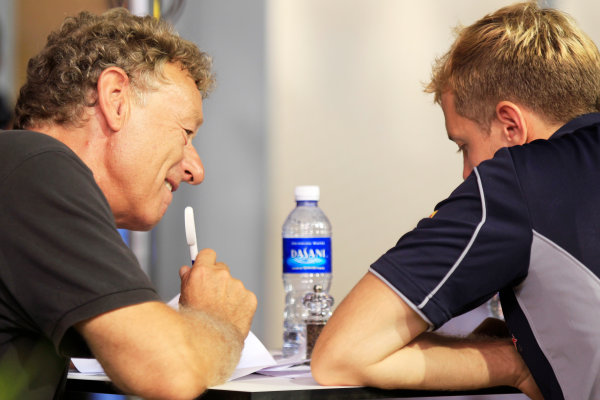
x=35, y=20
x=585, y=12
x=347, y=112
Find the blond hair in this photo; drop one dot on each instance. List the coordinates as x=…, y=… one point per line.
x=62, y=78
x=532, y=56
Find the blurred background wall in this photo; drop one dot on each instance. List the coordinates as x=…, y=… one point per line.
x=7, y=47
x=325, y=92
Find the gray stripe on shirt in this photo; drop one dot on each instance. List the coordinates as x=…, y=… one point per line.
x=560, y=299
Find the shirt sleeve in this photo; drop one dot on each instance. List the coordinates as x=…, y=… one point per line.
x=62, y=259
x=476, y=243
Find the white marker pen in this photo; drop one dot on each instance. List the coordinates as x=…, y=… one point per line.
x=190, y=232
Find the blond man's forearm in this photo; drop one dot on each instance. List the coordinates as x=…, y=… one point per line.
x=376, y=339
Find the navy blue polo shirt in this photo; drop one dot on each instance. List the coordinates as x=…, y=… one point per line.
x=525, y=223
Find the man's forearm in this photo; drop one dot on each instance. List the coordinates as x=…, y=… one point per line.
x=152, y=351
x=433, y=361
x=222, y=352
x=374, y=338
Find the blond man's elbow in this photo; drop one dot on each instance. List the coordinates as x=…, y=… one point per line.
x=329, y=367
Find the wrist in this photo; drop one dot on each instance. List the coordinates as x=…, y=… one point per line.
x=509, y=364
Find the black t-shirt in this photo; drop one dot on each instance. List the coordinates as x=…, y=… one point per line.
x=62, y=261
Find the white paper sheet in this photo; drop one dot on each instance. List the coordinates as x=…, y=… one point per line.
x=255, y=357
x=290, y=371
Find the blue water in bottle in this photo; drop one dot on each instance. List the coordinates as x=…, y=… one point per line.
x=306, y=261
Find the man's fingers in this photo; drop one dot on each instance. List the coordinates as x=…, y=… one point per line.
x=209, y=286
x=206, y=257
x=183, y=271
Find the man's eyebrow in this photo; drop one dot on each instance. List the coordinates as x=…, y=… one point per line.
x=453, y=137
x=198, y=118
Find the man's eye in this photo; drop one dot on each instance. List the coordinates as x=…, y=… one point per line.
x=462, y=149
x=188, y=135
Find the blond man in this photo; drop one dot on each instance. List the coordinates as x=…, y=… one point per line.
x=524, y=223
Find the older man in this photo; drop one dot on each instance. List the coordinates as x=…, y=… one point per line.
x=105, y=127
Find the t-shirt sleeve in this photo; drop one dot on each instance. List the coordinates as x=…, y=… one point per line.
x=62, y=259
x=476, y=243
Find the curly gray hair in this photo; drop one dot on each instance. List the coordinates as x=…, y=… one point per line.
x=62, y=78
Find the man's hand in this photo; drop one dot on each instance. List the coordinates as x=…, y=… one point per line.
x=493, y=327
x=527, y=385
x=209, y=287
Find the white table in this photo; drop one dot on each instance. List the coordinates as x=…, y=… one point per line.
x=260, y=387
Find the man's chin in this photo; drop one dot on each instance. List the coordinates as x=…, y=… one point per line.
x=138, y=224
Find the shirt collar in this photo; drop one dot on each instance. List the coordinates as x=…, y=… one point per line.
x=575, y=124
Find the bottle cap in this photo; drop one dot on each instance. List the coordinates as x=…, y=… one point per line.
x=307, y=193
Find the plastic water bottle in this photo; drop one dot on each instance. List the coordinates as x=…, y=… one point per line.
x=306, y=262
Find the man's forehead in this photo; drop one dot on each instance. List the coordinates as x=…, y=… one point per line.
x=198, y=115
x=182, y=81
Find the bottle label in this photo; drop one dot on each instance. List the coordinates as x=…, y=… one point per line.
x=306, y=255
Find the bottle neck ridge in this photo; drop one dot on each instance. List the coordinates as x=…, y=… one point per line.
x=307, y=203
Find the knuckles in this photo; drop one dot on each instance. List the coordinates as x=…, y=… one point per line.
x=209, y=285
x=252, y=301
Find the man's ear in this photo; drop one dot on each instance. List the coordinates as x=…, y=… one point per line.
x=113, y=96
x=513, y=123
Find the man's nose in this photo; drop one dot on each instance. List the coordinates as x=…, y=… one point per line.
x=193, y=170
